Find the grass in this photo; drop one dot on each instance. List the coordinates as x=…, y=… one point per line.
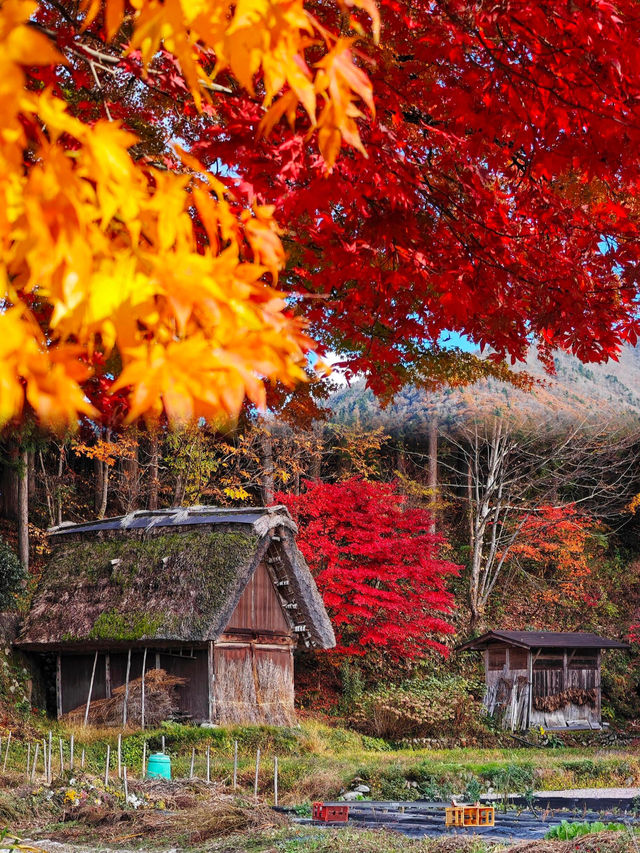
x=317, y=761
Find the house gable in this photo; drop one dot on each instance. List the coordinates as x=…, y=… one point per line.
x=259, y=607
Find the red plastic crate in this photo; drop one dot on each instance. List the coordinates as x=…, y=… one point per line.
x=338, y=814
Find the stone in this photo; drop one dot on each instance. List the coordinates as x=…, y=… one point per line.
x=362, y=789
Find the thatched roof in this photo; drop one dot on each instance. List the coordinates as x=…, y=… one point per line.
x=172, y=576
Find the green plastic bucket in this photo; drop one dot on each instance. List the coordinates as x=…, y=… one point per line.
x=159, y=766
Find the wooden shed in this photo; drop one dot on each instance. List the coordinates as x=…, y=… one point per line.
x=543, y=678
x=219, y=597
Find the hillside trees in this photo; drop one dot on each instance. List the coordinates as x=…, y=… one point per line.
x=500, y=142
x=377, y=566
x=519, y=483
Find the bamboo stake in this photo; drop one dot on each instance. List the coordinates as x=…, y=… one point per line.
x=208, y=764
x=93, y=675
x=28, y=758
x=275, y=780
x=71, y=754
x=61, y=760
x=49, y=771
x=144, y=757
x=235, y=765
x=126, y=787
x=144, y=664
x=44, y=756
x=106, y=767
x=6, y=753
x=119, y=755
x=163, y=744
x=126, y=691
x=193, y=761
x=35, y=761
x=255, y=784
x=82, y=760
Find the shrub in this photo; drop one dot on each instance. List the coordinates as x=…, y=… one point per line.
x=11, y=575
x=568, y=831
x=416, y=709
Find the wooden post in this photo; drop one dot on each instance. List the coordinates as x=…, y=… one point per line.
x=82, y=760
x=58, y=686
x=530, y=678
x=255, y=784
x=163, y=744
x=35, y=761
x=208, y=764
x=44, y=756
x=126, y=787
x=144, y=664
x=210, y=677
x=107, y=675
x=126, y=690
x=93, y=675
x=193, y=761
x=71, y=754
x=106, y=766
x=599, y=688
x=28, y=759
x=157, y=660
x=119, y=755
x=144, y=757
x=565, y=670
x=6, y=753
x=275, y=781
x=61, y=759
x=235, y=765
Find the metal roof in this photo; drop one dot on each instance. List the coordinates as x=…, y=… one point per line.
x=544, y=639
x=176, y=516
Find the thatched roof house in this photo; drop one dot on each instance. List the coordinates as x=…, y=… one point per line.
x=543, y=678
x=217, y=596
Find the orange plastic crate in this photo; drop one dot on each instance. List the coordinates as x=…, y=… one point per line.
x=470, y=815
x=338, y=814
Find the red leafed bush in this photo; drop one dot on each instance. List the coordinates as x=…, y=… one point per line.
x=377, y=566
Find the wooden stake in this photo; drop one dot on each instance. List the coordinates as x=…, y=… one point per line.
x=255, y=784
x=28, y=759
x=71, y=754
x=61, y=759
x=58, y=686
x=144, y=664
x=44, y=756
x=35, y=761
x=106, y=767
x=119, y=756
x=235, y=765
x=193, y=761
x=163, y=744
x=208, y=764
x=93, y=675
x=6, y=753
x=82, y=760
x=144, y=757
x=126, y=787
x=126, y=691
x=49, y=758
x=275, y=781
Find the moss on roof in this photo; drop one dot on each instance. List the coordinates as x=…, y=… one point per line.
x=171, y=586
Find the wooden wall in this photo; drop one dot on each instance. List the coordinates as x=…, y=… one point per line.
x=516, y=678
x=259, y=607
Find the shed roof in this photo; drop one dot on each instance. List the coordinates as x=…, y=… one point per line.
x=170, y=576
x=544, y=639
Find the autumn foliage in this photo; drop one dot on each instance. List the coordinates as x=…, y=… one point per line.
x=377, y=566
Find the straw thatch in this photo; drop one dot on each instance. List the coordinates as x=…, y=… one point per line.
x=170, y=576
x=160, y=701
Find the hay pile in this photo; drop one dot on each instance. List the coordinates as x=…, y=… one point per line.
x=574, y=696
x=160, y=702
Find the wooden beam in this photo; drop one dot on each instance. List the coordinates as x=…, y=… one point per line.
x=126, y=690
x=530, y=679
x=93, y=675
x=565, y=670
x=58, y=685
x=107, y=675
x=210, y=678
x=599, y=689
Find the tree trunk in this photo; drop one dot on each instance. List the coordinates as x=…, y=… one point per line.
x=32, y=473
x=433, y=471
x=10, y=482
x=61, y=460
x=268, y=488
x=23, y=509
x=153, y=469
